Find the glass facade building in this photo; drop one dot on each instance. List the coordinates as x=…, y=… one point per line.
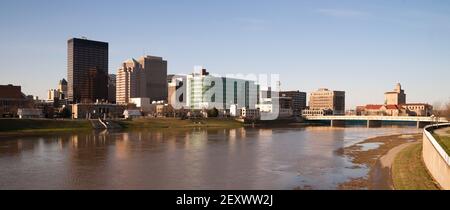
x=206, y=91
x=87, y=70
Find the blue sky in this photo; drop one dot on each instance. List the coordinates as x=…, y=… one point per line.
x=362, y=47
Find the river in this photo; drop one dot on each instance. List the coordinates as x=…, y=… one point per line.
x=243, y=158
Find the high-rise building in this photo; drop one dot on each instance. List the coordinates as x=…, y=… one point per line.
x=53, y=94
x=327, y=101
x=395, y=97
x=87, y=70
x=62, y=88
x=298, y=100
x=112, y=88
x=142, y=78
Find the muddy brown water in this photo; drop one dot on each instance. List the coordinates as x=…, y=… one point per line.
x=243, y=158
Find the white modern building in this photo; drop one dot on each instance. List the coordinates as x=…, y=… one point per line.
x=204, y=91
x=177, y=91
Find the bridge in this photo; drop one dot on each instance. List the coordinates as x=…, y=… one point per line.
x=375, y=121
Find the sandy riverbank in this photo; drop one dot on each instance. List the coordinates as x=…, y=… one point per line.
x=378, y=160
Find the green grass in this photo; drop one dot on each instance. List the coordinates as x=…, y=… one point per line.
x=149, y=123
x=409, y=171
x=444, y=141
x=28, y=125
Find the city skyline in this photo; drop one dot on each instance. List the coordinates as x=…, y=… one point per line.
x=360, y=49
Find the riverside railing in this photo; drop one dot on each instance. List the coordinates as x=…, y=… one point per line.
x=436, y=159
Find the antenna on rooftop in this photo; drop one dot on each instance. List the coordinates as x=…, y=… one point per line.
x=84, y=37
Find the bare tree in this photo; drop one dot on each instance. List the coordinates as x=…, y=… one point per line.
x=447, y=111
x=437, y=109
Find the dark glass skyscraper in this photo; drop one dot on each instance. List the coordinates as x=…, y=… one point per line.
x=87, y=70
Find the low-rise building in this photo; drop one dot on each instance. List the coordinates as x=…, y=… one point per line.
x=132, y=113
x=143, y=104
x=317, y=112
x=284, y=106
x=164, y=110
x=418, y=109
x=97, y=110
x=252, y=114
x=48, y=108
x=11, y=99
x=298, y=100
x=234, y=110
x=396, y=110
x=28, y=113
x=395, y=105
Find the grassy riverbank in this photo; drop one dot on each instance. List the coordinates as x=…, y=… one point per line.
x=444, y=141
x=170, y=123
x=42, y=125
x=379, y=175
x=48, y=125
x=409, y=171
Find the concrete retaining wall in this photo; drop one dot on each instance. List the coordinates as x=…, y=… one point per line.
x=436, y=159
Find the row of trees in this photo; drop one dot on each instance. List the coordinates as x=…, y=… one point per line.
x=441, y=109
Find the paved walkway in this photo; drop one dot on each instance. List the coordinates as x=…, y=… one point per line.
x=382, y=172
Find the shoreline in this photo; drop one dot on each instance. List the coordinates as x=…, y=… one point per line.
x=38, y=127
x=45, y=127
x=378, y=160
x=381, y=173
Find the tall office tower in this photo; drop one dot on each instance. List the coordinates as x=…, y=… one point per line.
x=328, y=100
x=142, y=78
x=155, y=69
x=112, y=88
x=62, y=88
x=87, y=70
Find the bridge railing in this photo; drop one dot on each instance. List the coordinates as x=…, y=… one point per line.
x=436, y=159
x=384, y=118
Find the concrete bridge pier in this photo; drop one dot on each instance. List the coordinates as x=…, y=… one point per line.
x=373, y=123
x=337, y=123
x=421, y=124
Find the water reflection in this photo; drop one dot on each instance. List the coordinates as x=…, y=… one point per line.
x=278, y=158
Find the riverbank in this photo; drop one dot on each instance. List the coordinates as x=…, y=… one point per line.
x=409, y=171
x=29, y=127
x=46, y=125
x=395, y=164
x=378, y=160
x=171, y=123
